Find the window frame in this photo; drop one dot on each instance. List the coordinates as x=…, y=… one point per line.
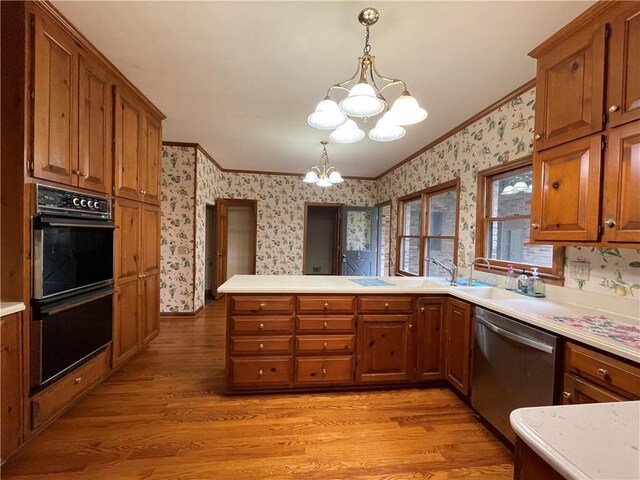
x=424, y=196
x=485, y=179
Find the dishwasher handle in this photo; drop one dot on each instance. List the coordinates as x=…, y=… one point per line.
x=516, y=338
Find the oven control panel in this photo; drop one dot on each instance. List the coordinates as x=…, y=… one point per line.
x=58, y=201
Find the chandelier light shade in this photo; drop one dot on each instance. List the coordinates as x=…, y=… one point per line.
x=323, y=175
x=365, y=99
x=347, y=133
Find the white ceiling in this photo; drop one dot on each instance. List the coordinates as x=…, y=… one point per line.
x=240, y=78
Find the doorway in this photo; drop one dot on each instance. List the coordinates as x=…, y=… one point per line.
x=210, y=250
x=231, y=242
x=321, y=248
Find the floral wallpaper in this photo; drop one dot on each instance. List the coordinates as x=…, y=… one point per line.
x=358, y=231
x=177, y=229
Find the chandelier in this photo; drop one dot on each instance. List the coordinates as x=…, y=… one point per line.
x=323, y=175
x=365, y=100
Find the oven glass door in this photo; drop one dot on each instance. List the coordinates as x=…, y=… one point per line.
x=68, y=333
x=70, y=256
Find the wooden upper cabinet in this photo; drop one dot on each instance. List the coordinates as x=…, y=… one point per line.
x=570, y=88
x=621, y=194
x=128, y=154
x=150, y=167
x=54, y=105
x=150, y=239
x=565, y=203
x=127, y=263
x=458, y=345
x=623, y=96
x=94, y=126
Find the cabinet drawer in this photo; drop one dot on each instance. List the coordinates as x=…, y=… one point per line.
x=257, y=325
x=326, y=323
x=325, y=343
x=576, y=391
x=385, y=304
x=48, y=403
x=327, y=304
x=261, y=304
x=603, y=369
x=260, y=345
x=260, y=371
x=324, y=370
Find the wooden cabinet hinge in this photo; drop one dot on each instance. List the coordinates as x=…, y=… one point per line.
x=30, y=165
x=604, y=144
x=604, y=118
x=600, y=229
x=607, y=31
x=32, y=94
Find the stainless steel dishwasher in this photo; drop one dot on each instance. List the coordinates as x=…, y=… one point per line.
x=514, y=366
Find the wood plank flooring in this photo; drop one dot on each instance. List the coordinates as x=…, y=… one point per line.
x=163, y=416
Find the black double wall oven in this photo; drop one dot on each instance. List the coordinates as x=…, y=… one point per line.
x=73, y=238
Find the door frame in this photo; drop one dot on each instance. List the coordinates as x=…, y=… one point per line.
x=336, y=267
x=374, y=235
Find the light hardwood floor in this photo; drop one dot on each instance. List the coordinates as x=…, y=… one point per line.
x=163, y=416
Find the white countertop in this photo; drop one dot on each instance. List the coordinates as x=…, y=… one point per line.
x=7, y=308
x=594, y=441
x=534, y=311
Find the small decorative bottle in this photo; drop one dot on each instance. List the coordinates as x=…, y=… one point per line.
x=536, y=285
x=523, y=283
x=511, y=283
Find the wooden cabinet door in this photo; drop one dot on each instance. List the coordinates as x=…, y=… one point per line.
x=127, y=259
x=576, y=390
x=150, y=306
x=95, y=162
x=54, y=105
x=128, y=126
x=126, y=328
x=621, y=194
x=565, y=203
x=458, y=345
x=570, y=89
x=222, y=234
x=623, y=96
x=430, y=336
x=150, y=167
x=150, y=239
x=10, y=383
x=384, y=348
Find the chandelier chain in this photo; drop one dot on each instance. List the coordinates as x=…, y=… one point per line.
x=367, y=47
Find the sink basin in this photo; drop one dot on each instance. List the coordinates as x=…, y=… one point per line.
x=492, y=293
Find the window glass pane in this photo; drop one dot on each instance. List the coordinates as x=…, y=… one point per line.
x=440, y=249
x=505, y=241
x=442, y=214
x=410, y=255
x=511, y=195
x=358, y=231
x=412, y=217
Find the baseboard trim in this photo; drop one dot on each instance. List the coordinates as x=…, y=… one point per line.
x=182, y=314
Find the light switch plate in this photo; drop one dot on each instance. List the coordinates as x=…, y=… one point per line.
x=182, y=250
x=579, y=270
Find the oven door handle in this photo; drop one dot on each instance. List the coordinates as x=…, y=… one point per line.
x=47, y=312
x=79, y=225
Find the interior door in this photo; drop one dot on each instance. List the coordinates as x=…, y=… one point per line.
x=222, y=228
x=359, y=241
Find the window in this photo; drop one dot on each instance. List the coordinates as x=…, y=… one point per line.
x=504, y=218
x=427, y=228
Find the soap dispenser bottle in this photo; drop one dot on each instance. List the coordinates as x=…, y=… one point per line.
x=523, y=283
x=536, y=285
x=511, y=283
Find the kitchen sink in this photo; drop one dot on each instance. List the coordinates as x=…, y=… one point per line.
x=492, y=293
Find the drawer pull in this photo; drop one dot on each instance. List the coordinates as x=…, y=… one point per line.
x=325, y=325
x=422, y=310
x=261, y=346
x=78, y=380
x=325, y=346
x=603, y=372
x=609, y=222
x=566, y=394
x=263, y=305
x=386, y=306
x=261, y=326
x=410, y=326
x=537, y=137
x=613, y=108
x=324, y=371
x=535, y=226
x=260, y=372
x=326, y=305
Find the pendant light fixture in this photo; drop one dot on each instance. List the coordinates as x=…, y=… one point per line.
x=365, y=100
x=323, y=175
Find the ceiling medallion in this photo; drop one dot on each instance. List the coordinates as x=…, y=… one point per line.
x=323, y=175
x=365, y=100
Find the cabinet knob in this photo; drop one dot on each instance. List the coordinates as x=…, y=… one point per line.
x=141, y=276
x=566, y=394
x=76, y=172
x=326, y=305
x=613, y=108
x=537, y=137
x=261, y=326
x=325, y=325
x=78, y=379
x=603, y=372
x=261, y=346
x=535, y=226
x=143, y=192
x=325, y=346
x=410, y=326
x=260, y=372
x=386, y=306
x=84, y=174
x=324, y=370
x=609, y=222
x=421, y=309
x=263, y=305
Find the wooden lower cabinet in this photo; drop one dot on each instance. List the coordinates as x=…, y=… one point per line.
x=150, y=307
x=10, y=384
x=430, y=335
x=576, y=390
x=458, y=333
x=261, y=372
x=126, y=327
x=323, y=370
x=528, y=465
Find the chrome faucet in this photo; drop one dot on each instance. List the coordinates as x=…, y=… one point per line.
x=478, y=259
x=453, y=271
